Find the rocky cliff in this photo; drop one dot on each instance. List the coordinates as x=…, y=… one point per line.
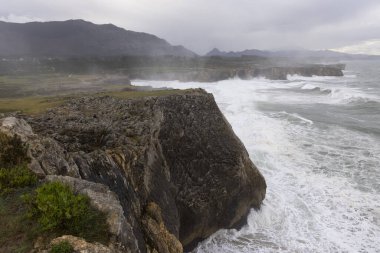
x=171, y=164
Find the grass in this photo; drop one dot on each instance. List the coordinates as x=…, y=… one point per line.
x=21, y=226
x=13, y=152
x=30, y=105
x=48, y=211
x=17, y=177
x=61, y=212
x=62, y=247
x=34, y=94
x=14, y=172
x=17, y=233
x=139, y=94
x=36, y=105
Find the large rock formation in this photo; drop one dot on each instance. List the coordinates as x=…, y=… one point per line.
x=174, y=163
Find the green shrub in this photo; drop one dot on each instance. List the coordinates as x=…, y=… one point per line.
x=17, y=177
x=13, y=151
x=58, y=210
x=62, y=247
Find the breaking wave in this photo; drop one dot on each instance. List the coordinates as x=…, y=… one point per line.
x=323, y=175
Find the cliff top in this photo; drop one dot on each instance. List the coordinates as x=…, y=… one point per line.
x=36, y=104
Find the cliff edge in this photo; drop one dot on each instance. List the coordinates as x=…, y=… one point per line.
x=172, y=164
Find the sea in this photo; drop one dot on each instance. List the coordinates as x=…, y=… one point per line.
x=316, y=140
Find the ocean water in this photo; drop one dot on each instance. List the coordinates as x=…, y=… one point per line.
x=317, y=142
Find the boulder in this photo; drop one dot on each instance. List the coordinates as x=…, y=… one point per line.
x=81, y=246
x=13, y=125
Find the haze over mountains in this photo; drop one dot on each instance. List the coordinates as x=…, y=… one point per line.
x=298, y=54
x=80, y=38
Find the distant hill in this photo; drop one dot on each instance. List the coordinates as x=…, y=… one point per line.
x=252, y=52
x=320, y=54
x=80, y=38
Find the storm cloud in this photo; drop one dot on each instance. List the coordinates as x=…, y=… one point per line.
x=201, y=25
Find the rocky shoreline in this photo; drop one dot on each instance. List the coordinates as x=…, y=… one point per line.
x=168, y=170
x=245, y=73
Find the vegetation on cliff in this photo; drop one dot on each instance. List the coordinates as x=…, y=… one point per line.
x=51, y=209
x=13, y=164
x=17, y=232
x=59, y=211
x=13, y=152
x=62, y=247
x=36, y=93
x=17, y=177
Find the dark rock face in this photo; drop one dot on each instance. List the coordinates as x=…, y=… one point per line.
x=174, y=163
x=204, y=170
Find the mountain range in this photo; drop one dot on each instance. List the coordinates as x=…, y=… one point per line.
x=79, y=38
x=74, y=38
x=298, y=54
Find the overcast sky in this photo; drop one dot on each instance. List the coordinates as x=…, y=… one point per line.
x=200, y=25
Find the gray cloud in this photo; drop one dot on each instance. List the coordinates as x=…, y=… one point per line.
x=227, y=24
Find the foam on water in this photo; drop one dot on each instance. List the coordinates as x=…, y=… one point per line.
x=313, y=78
x=323, y=179
x=333, y=90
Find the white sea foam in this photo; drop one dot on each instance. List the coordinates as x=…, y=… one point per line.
x=308, y=87
x=298, y=117
x=311, y=78
x=323, y=181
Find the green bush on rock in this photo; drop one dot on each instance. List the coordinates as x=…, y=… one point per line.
x=13, y=151
x=62, y=247
x=17, y=177
x=58, y=210
x=13, y=159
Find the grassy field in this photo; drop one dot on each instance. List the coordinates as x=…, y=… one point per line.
x=35, y=105
x=36, y=94
x=16, y=86
x=30, y=105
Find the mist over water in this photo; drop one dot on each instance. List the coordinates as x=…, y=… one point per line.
x=317, y=142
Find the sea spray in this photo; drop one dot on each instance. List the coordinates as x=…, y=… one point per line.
x=319, y=152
